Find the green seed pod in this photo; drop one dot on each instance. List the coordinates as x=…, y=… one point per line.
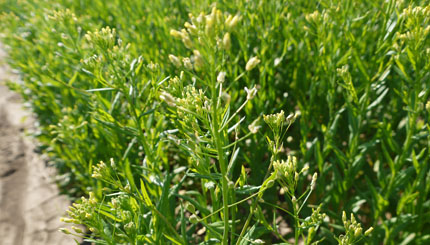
x=190, y=208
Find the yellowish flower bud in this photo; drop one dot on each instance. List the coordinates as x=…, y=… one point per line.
x=231, y=22
x=210, y=22
x=191, y=28
x=228, y=19
x=77, y=230
x=175, y=60
x=176, y=34
x=226, y=41
x=187, y=42
x=65, y=231
x=368, y=231
x=198, y=60
x=252, y=63
x=187, y=63
x=358, y=231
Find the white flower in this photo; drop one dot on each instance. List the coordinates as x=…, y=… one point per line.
x=170, y=100
x=250, y=93
x=253, y=127
x=314, y=181
x=221, y=77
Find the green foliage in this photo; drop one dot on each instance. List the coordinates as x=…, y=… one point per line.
x=173, y=94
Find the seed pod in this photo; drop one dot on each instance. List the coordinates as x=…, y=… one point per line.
x=190, y=208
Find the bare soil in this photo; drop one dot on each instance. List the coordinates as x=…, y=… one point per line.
x=30, y=206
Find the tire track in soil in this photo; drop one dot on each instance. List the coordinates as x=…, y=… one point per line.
x=30, y=206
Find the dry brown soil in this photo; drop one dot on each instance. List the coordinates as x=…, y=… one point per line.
x=30, y=206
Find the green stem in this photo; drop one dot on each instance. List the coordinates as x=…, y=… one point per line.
x=297, y=223
x=222, y=162
x=254, y=203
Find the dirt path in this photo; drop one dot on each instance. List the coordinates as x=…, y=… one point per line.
x=30, y=207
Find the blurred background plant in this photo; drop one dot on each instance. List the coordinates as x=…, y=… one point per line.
x=175, y=92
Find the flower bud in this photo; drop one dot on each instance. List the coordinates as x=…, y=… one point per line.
x=191, y=28
x=358, y=231
x=226, y=41
x=353, y=221
x=198, y=60
x=210, y=22
x=254, y=127
x=112, y=163
x=65, y=231
x=176, y=34
x=305, y=168
x=290, y=118
x=77, y=230
x=368, y=231
x=187, y=63
x=344, y=217
x=314, y=180
x=168, y=98
x=231, y=22
x=252, y=63
x=175, y=60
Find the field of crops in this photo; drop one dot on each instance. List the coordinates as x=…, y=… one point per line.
x=231, y=122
